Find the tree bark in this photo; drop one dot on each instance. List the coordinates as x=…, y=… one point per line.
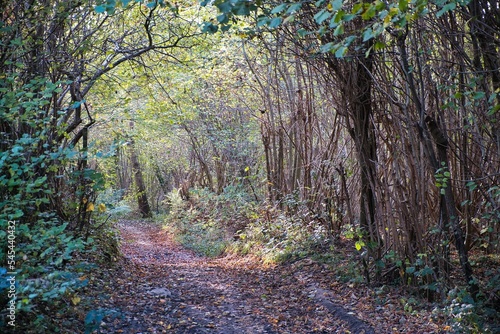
x=358, y=90
x=441, y=142
x=142, y=198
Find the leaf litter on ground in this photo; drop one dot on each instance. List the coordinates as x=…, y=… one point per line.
x=160, y=287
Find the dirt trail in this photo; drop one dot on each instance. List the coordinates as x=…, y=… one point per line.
x=164, y=288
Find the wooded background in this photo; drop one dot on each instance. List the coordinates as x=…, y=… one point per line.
x=376, y=118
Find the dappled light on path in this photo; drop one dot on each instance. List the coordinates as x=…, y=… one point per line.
x=163, y=288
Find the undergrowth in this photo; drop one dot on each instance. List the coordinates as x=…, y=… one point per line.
x=214, y=224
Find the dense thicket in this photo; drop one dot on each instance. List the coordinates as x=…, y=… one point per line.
x=384, y=116
x=52, y=55
x=375, y=120
x=380, y=119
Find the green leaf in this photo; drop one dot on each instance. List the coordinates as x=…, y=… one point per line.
x=403, y=5
x=339, y=30
x=275, y=22
x=493, y=110
x=100, y=9
x=326, y=47
x=479, y=95
x=293, y=8
x=356, y=9
x=279, y=9
x=471, y=185
x=349, y=17
x=446, y=8
x=322, y=15
x=341, y=52
x=223, y=18
x=348, y=41
x=359, y=244
x=369, y=13
x=336, y=5
x=367, y=35
x=380, y=264
x=426, y=271
x=302, y=32
x=110, y=6
x=208, y=27
x=379, y=45
x=290, y=18
x=77, y=104
x=241, y=9
x=225, y=7
x=263, y=21
x=337, y=18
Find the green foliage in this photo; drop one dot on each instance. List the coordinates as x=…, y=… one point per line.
x=277, y=237
x=331, y=18
x=463, y=313
x=199, y=227
x=409, y=304
x=94, y=318
x=442, y=177
x=29, y=167
x=114, y=206
x=354, y=233
x=109, y=6
x=21, y=183
x=211, y=224
x=490, y=214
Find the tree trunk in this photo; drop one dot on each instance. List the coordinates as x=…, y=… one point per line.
x=358, y=91
x=441, y=142
x=142, y=198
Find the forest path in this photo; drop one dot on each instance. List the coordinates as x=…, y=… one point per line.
x=163, y=288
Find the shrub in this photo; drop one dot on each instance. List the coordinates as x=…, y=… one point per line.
x=35, y=240
x=462, y=313
x=208, y=222
x=277, y=237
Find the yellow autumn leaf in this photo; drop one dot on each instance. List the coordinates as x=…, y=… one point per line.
x=387, y=20
x=393, y=11
x=84, y=200
x=90, y=207
x=102, y=207
x=75, y=300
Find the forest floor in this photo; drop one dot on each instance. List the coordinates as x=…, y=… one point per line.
x=161, y=287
